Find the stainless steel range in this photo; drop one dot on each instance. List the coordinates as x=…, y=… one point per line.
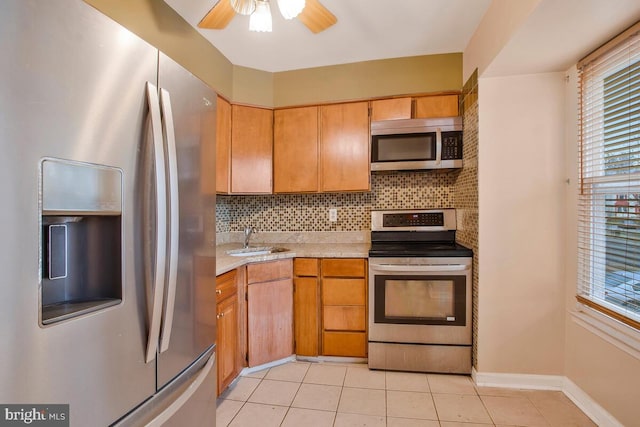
x=419, y=293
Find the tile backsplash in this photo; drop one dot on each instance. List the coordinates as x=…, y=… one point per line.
x=310, y=212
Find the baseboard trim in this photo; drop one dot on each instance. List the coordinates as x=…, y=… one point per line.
x=582, y=400
x=534, y=382
x=597, y=413
x=257, y=368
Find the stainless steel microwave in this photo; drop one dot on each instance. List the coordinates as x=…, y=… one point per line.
x=413, y=144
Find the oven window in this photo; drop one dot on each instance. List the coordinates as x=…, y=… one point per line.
x=419, y=298
x=428, y=300
x=410, y=147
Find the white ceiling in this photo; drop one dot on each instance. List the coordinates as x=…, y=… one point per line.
x=555, y=35
x=559, y=33
x=366, y=30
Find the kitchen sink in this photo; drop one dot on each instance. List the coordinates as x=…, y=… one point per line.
x=256, y=250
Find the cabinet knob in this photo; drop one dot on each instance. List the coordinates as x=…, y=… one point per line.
x=218, y=291
x=219, y=315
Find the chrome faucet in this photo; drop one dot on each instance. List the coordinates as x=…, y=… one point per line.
x=247, y=235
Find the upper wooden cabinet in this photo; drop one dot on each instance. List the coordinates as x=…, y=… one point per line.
x=391, y=109
x=418, y=107
x=344, y=147
x=223, y=146
x=436, y=106
x=251, y=149
x=295, y=150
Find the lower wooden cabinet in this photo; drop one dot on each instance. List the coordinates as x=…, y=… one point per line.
x=343, y=343
x=306, y=306
x=269, y=311
x=227, y=346
x=344, y=307
x=306, y=303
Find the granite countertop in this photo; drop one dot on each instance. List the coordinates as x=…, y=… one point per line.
x=353, y=246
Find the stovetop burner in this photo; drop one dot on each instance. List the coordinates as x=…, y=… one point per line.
x=413, y=249
x=415, y=233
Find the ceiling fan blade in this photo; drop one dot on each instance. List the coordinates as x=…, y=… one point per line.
x=316, y=17
x=219, y=16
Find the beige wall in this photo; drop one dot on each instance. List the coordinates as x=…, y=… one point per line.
x=502, y=19
x=369, y=79
x=253, y=87
x=605, y=372
x=161, y=26
x=521, y=221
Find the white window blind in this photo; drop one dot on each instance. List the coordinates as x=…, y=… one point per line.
x=609, y=201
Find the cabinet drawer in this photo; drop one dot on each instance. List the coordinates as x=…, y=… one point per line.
x=343, y=292
x=347, y=267
x=268, y=271
x=344, y=317
x=226, y=285
x=305, y=267
x=349, y=344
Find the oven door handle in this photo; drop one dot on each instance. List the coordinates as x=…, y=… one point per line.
x=419, y=268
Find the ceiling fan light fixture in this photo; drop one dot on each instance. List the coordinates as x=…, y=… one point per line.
x=260, y=20
x=290, y=8
x=243, y=7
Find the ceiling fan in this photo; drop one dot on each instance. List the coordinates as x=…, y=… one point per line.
x=311, y=13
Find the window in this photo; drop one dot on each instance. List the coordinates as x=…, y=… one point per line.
x=609, y=201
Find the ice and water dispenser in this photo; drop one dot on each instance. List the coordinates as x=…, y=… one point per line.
x=81, y=255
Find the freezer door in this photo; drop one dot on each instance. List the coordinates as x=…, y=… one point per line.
x=188, y=328
x=73, y=88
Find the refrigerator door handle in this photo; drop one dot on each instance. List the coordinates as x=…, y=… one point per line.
x=174, y=211
x=155, y=284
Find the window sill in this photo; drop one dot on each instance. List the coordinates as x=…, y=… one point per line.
x=614, y=332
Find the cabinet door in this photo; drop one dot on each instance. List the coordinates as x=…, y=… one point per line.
x=436, y=106
x=295, y=150
x=270, y=321
x=306, y=320
x=344, y=147
x=391, y=109
x=227, y=316
x=251, y=149
x=223, y=145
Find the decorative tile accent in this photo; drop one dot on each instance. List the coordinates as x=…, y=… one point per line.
x=310, y=212
x=466, y=192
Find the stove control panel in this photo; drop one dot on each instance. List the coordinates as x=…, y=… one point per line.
x=414, y=220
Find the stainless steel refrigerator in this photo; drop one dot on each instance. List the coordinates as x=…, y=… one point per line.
x=106, y=303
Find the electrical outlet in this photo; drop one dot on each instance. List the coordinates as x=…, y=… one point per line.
x=333, y=214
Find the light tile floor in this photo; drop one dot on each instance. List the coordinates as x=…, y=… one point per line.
x=328, y=394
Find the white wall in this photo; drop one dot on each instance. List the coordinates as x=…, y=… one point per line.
x=605, y=372
x=502, y=19
x=521, y=214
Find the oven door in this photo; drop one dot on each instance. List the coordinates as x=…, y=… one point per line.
x=405, y=151
x=420, y=300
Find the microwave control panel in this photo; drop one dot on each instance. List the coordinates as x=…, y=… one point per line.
x=451, y=145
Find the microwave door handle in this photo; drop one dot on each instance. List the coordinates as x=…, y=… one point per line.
x=418, y=268
x=155, y=282
x=438, y=146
